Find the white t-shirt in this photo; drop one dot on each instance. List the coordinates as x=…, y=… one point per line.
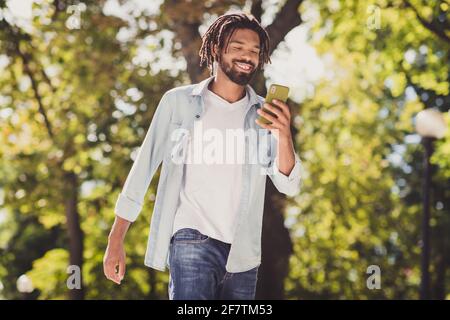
x=211, y=189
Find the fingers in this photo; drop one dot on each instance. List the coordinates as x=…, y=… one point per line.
x=279, y=113
x=284, y=107
x=110, y=270
x=275, y=121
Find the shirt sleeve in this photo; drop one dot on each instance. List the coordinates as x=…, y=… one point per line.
x=148, y=159
x=288, y=184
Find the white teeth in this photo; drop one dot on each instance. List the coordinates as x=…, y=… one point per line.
x=243, y=66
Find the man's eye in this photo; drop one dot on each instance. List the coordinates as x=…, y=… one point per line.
x=240, y=48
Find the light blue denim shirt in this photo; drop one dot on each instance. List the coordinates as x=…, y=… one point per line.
x=178, y=109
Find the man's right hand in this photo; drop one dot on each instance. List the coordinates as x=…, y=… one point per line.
x=114, y=261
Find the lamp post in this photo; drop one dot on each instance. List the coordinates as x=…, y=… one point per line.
x=430, y=125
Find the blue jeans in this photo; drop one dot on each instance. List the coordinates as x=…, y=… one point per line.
x=197, y=270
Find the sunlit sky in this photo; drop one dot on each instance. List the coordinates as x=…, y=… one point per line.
x=294, y=64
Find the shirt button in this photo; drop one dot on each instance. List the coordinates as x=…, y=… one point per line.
x=197, y=116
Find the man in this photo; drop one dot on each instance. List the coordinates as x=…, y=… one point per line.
x=207, y=219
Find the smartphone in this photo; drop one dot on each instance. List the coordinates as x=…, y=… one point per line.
x=276, y=91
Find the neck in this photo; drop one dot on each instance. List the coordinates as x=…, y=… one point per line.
x=225, y=88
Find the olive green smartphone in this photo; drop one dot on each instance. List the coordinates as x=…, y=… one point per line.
x=276, y=91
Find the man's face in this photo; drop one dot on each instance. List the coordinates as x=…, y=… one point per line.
x=240, y=61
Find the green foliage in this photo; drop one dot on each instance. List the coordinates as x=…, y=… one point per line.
x=82, y=74
x=49, y=274
x=358, y=206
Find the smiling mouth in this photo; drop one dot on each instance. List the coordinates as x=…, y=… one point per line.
x=244, y=66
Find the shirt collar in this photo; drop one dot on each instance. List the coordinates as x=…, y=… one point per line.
x=199, y=90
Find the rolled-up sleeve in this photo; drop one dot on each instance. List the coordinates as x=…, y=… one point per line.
x=289, y=184
x=148, y=159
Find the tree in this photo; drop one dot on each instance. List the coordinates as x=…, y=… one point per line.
x=60, y=130
x=361, y=203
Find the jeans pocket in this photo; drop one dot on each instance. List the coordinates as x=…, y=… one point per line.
x=188, y=235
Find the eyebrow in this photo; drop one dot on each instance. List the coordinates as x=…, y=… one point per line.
x=240, y=42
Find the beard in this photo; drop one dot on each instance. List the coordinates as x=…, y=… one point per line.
x=234, y=74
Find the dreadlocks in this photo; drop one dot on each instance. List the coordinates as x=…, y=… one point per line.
x=226, y=25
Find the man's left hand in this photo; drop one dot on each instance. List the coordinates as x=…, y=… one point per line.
x=281, y=124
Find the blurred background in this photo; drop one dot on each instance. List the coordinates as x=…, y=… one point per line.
x=369, y=80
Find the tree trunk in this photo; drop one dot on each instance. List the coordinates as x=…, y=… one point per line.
x=276, y=242
x=276, y=247
x=73, y=228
